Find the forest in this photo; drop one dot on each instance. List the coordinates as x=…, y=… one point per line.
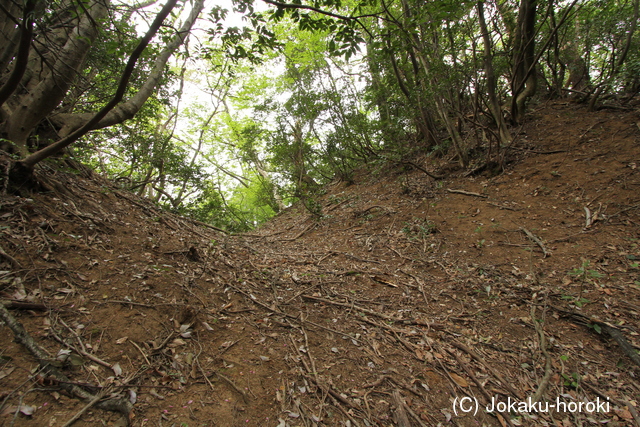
x=230, y=114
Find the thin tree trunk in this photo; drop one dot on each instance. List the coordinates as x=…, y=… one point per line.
x=494, y=105
x=524, y=82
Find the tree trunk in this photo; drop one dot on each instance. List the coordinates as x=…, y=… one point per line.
x=125, y=111
x=524, y=82
x=51, y=90
x=494, y=105
x=112, y=113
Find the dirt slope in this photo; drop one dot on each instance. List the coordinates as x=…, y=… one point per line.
x=407, y=294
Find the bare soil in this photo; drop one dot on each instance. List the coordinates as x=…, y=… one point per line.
x=406, y=296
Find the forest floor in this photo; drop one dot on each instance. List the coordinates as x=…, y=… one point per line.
x=407, y=296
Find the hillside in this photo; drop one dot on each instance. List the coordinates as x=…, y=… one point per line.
x=407, y=294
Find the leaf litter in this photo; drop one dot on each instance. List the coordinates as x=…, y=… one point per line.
x=406, y=295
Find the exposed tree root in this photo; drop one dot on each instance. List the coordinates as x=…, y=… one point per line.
x=116, y=404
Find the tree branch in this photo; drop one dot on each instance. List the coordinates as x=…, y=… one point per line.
x=315, y=9
x=70, y=122
x=56, y=147
x=22, y=59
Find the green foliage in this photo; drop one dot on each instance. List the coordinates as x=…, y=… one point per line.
x=307, y=93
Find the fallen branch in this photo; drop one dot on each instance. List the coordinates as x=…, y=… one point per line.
x=467, y=193
x=610, y=330
x=536, y=240
x=544, y=383
x=505, y=417
x=88, y=406
x=420, y=168
x=15, y=264
x=400, y=415
x=376, y=314
x=495, y=373
x=120, y=404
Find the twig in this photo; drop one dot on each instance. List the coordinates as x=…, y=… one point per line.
x=501, y=206
x=20, y=305
x=15, y=264
x=495, y=373
x=81, y=351
x=542, y=387
x=420, y=168
x=624, y=210
x=467, y=193
x=610, y=330
x=355, y=257
x=535, y=239
x=287, y=315
x=232, y=384
x=88, y=406
x=478, y=384
x=297, y=236
x=121, y=405
x=536, y=151
x=353, y=306
x=400, y=415
x=632, y=410
x=141, y=352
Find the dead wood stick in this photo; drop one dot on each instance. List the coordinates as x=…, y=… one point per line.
x=400, y=414
x=537, y=151
x=15, y=264
x=121, y=405
x=495, y=373
x=467, y=193
x=610, y=330
x=327, y=389
x=417, y=322
x=81, y=352
x=501, y=206
x=478, y=384
x=420, y=168
x=314, y=371
x=536, y=240
x=204, y=374
x=287, y=315
x=542, y=387
x=20, y=305
x=355, y=257
x=233, y=385
x=353, y=306
x=297, y=236
x=625, y=210
x=88, y=406
x=384, y=208
x=141, y=352
x=620, y=403
x=632, y=410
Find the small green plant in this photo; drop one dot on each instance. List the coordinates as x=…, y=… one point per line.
x=335, y=200
x=313, y=207
x=595, y=327
x=419, y=228
x=584, y=275
x=578, y=302
x=572, y=380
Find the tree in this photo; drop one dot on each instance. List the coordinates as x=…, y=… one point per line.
x=47, y=105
